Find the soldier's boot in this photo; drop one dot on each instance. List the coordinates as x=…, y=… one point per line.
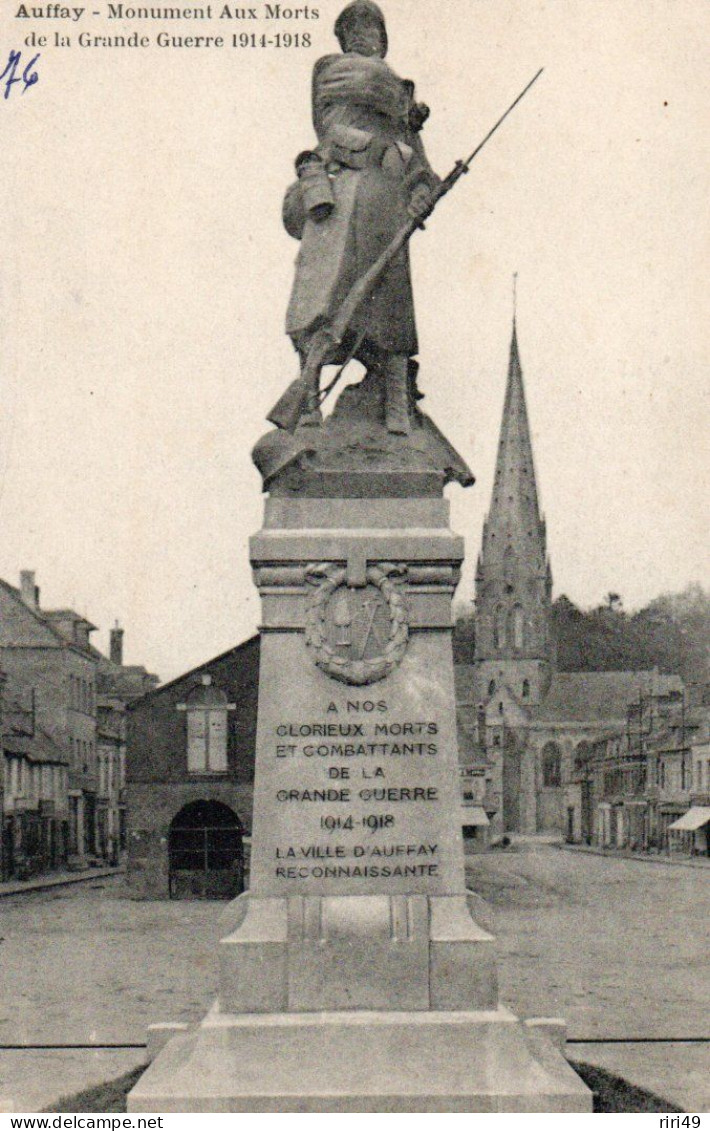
x=397, y=395
x=312, y=417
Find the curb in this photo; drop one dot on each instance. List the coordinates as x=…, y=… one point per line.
x=610, y=854
x=21, y=887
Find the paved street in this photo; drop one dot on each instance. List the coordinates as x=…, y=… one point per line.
x=618, y=947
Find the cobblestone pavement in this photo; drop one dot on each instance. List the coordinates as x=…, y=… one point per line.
x=616, y=947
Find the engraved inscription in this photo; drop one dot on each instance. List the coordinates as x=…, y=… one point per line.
x=368, y=766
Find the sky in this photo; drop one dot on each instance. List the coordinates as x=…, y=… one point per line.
x=146, y=276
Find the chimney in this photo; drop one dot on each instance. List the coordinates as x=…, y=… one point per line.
x=28, y=590
x=116, y=649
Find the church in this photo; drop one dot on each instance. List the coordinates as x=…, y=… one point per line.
x=527, y=726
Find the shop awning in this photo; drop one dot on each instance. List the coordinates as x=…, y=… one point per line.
x=694, y=819
x=474, y=815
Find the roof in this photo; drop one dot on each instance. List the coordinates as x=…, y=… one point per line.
x=38, y=747
x=250, y=642
x=66, y=614
x=694, y=819
x=514, y=525
x=600, y=696
x=122, y=681
x=35, y=628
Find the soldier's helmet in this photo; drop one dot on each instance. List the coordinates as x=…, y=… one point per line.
x=356, y=11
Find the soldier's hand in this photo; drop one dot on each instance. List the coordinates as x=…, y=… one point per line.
x=420, y=203
x=418, y=114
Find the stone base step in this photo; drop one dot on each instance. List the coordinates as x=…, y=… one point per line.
x=361, y=1062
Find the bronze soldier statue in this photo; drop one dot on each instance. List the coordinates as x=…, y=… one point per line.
x=366, y=176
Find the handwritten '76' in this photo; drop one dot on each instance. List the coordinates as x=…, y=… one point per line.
x=12, y=73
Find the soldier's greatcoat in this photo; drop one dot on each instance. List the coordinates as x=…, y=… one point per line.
x=375, y=159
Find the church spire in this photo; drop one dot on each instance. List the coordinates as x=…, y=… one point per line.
x=513, y=581
x=514, y=500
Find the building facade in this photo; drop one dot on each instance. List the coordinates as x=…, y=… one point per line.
x=54, y=804
x=190, y=780
x=117, y=685
x=51, y=683
x=645, y=777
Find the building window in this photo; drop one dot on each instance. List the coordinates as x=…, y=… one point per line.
x=582, y=756
x=518, y=619
x=526, y=689
x=492, y=688
x=551, y=766
x=206, y=708
x=499, y=633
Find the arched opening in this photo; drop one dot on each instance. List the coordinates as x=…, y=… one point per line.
x=551, y=766
x=526, y=689
x=582, y=755
x=205, y=852
x=518, y=628
x=492, y=687
x=499, y=633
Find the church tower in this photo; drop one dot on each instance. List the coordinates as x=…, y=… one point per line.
x=513, y=576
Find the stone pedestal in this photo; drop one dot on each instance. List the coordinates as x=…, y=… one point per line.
x=352, y=976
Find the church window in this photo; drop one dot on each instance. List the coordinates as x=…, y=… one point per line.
x=526, y=689
x=518, y=632
x=551, y=766
x=499, y=632
x=492, y=687
x=582, y=756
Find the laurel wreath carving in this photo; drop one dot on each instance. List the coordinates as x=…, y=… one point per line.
x=328, y=578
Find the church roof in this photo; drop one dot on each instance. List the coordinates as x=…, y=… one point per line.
x=600, y=696
x=515, y=471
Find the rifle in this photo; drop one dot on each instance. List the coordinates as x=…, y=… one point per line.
x=303, y=394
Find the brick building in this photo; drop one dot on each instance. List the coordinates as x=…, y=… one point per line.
x=117, y=685
x=55, y=808
x=190, y=776
x=645, y=779
x=51, y=682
